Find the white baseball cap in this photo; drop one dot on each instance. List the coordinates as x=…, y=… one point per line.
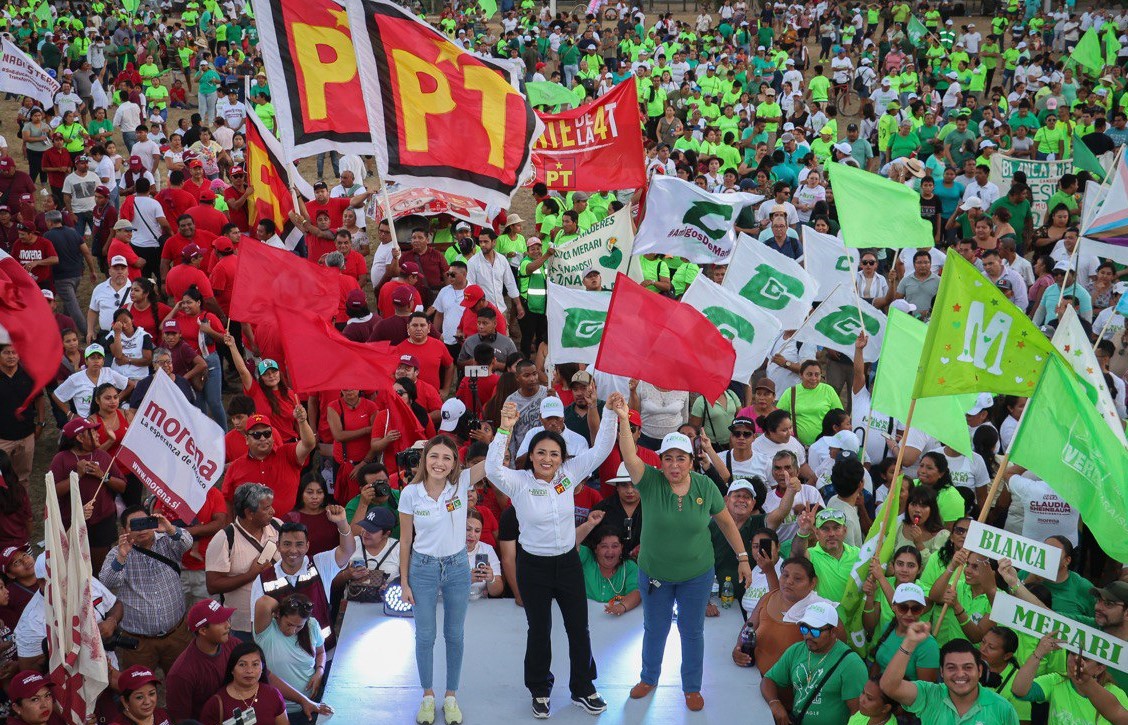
x=741, y=484
x=819, y=615
x=676, y=441
x=846, y=440
x=552, y=407
x=904, y=306
x=452, y=411
x=908, y=592
x=982, y=402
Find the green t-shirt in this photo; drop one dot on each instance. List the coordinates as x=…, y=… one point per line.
x=810, y=407
x=1072, y=597
x=676, y=545
x=600, y=589
x=392, y=505
x=933, y=703
x=209, y=82
x=833, y=573
x=157, y=96
x=802, y=671
x=926, y=655
x=684, y=277
x=819, y=87
x=1067, y=705
x=863, y=719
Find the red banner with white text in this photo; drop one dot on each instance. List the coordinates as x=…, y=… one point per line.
x=596, y=147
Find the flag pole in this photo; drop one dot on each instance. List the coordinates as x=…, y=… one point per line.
x=388, y=210
x=901, y=445
x=982, y=516
x=1103, y=330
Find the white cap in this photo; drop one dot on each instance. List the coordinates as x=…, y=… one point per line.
x=552, y=407
x=819, y=615
x=1062, y=266
x=676, y=441
x=41, y=566
x=843, y=147
x=953, y=75
x=982, y=402
x=789, y=61
x=846, y=440
x=886, y=82
x=452, y=411
x=1021, y=45
x=49, y=295
x=741, y=484
x=904, y=306
x=987, y=144
x=867, y=61
x=118, y=260
x=620, y=476
x=973, y=202
x=908, y=592
x=789, y=126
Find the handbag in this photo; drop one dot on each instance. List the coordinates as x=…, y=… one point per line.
x=369, y=589
x=794, y=719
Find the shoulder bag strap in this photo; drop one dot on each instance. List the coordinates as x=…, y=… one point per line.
x=822, y=683
x=386, y=554
x=254, y=542
x=158, y=557
x=793, y=404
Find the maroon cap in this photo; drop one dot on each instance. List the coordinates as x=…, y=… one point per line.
x=223, y=244
x=103, y=190
x=190, y=252
x=170, y=326
x=8, y=555
x=410, y=360
x=407, y=268
x=236, y=171
x=27, y=684
x=208, y=611
x=27, y=197
x=472, y=296
x=76, y=426
x=135, y=163
x=355, y=300
x=5, y=207
x=402, y=295
x=7, y=162
x=136, y=677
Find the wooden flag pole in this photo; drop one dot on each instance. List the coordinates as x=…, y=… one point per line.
x=901, y=445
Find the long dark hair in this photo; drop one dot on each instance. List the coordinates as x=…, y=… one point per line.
x=300, y=605
x=941, y=464
x=948, y=550
x=242, y=650
x=274, y=398
x=329, y=500
x=542, y=436
x=833, y=418
x=412, y=391
x=95, y=407
x=983, y=443
x=925, y=496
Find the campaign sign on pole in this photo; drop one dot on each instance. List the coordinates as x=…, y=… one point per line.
x=605, y=246
x=1041, y=176
x=1020, y=615
x=1026, y=554
x=175, y=449
x=21, y=75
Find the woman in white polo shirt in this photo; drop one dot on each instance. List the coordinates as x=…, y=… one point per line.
x=432, y=511
x=548, y=566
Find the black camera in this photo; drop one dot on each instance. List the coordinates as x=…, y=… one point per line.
x=120, y=640
x=409, y=460
x=381, y=489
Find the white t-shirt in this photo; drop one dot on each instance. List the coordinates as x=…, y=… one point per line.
x=146, y=228
x=478, y=589
x=78, y=388
x=390, y=564
x=133, y=347
x=1006, y=432
x=764, y=449
x=968, y=472
x=907, y=255
x=382, y=258
x=449, y=302
x=440, y=525
x=32, y=627
x=870, y=426
x=808, y=495
x=759, y=587
x=149, y=152
x=1044, y=513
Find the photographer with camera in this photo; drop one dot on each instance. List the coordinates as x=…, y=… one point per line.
x=479, y=380
x=143, y=571
x=375, y=492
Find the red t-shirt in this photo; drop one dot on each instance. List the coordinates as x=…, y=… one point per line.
x=355, y=265
x=281, y=470
x=283, y=422
x=149, y=319
x=175, y=201
x=335, y=208
x=222, y=281
x=194, y=189
x=469, y=323
x=183, y=276
x=384, y=306
x=190, y=331
x=39, y=249
x=345, y=284
x=236, y=443
x=432, y=355
x=239, y=216
x=118, y=247
x=362, y=416
x=208, y=219
x=610, y=467
x=193, y=559
x=489, y=525
x=318, y=247
x=176, y=244
x=486, y=388
x=56, y=158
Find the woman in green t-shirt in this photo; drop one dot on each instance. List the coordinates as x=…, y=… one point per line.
x=809, y=401
x=998, y=648
x=874, y=706
x=676, y=560
x=609, y=577
x=969, y=601
x=909, y=605
x=933, y=471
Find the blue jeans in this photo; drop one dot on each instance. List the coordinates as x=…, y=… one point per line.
x=211, y=402
x=657, y=614
x=428, y=575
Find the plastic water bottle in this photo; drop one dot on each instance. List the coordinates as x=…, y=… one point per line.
x=727, y=593
x=748, y=643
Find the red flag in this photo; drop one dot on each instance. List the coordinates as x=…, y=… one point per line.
x=267, y=279
x=664, y=342
x=26, y=318
x=595, y=147
x=318, y=357
x=271, y=178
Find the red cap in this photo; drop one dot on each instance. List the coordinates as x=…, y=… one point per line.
x=207, y=195
x=194, y=163
x=472, y=296
x=135, y=163
x=634, y=417
x=103, y=190
x=402, y=295
x=190, y=252
x=7, y=556
x=407, y=268
x=356, y=300
x=207, y=611
x=409, y=360
x=170, y=326
x=236, y=171
x=223, y=244
x=257, y=419
x=7, y=162
x=27, y=684
x=136, y=677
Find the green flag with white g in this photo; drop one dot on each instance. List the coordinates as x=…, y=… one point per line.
x=837, y=322
x=575, y=323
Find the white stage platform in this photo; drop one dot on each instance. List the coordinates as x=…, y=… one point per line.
x=373, y=677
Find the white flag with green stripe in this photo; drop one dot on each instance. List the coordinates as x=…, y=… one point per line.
x=751, y=329
x=575, y=323
x=771, y=281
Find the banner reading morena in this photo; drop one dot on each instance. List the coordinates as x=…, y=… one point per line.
x=605, y=247
x=595, y=147
x=1041, y=176
x=1022, y=616
x=1026, y=554
x=175, y=449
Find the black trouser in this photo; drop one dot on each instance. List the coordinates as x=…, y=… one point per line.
x=542, y=579
x=534, y=330
x=152, y=257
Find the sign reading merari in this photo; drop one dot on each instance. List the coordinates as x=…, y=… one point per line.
x=605, y=246
x=1022, y=616
x=1026, y=554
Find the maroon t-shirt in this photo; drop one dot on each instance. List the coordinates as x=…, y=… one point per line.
x=194, y=678
x=268, y=705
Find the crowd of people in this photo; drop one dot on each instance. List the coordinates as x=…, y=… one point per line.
x=128, y=201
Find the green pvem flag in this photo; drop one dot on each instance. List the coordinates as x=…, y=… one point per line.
x=43, y=14
x=1085, y=160
x=1064, y=440
x=489, y=8
x=916, y=31
x=1088, y=53
x=943, y=418
x=131, y=5
x=547, y=93
x=850, y=609
x=862, y=198
x=978, y=341
x=1112, y=47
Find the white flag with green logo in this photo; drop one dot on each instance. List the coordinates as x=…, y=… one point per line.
x=575, y=323
x=605, y=246
x=751, y=330
x=838, y=320
x=684, y=220
x=828, y=261
x=771, y=281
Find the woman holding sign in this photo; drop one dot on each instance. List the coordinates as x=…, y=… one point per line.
x=1063, y=692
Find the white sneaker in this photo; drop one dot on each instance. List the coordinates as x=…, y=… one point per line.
x=451, y=712
x=426, y=714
